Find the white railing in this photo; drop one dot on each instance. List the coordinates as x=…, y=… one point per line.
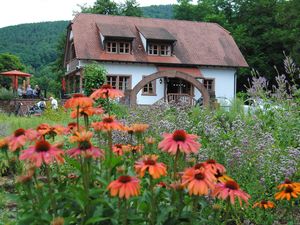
x=181, y=99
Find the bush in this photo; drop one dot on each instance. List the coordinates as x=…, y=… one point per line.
x=6, y=94
x=94, y=77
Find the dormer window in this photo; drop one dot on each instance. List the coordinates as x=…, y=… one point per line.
x=159, y=49
x=118, y=47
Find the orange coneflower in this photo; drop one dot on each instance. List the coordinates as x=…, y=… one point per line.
x=132, y=148
x=214, y=166
x=287, y=193
x=288, y=183
x=19, y=138
x=4, y=143
x=107, y=124
x=42, y=152
x=85, y=147
x=125, y=187
x=106, y=91
x=149, y=163
x=263, y=204
x=87, y=111
x=137, y=128
x=229, y=191
x=179, y=140
x=46, y=129
x=150, y=140
x=198, y=180
x=79, y=100
x=118, y=149
x=222, y=177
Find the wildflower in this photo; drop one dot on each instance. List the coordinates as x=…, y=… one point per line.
x=161, y=184
x=222, y=178
x=106, y=91
x=72, y=127
x=229, y=191
x=46, y=129
x=150, y=140
x=42, y=152
x=107, y=124
x=125, y=187
x=85, y=147
x=4, y=143
x=263, y=204
x=287, y=193
x=133, y=148
x=87, y=111
x=19, y=138
x=215, y=167
x=118, y=149
x=149, y=163
x=78, y=100
x=181, y=141
x=176, y=186
x=26, y=177
x=198, y=181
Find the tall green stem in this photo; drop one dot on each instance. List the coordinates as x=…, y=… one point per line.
x=153, y=203
x=51, y=191
x=175, y=164
x=77, y=117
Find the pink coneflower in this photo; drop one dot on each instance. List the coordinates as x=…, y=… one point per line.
x=85, y=147
x=42, y=152
x=19, y=138
x=79, y=100
x=230, y=191
x=214, y=166
x=106, y=91
x=118, y=149
x=149, y=163
x=125, y=187
x=107, y=124
x=179, y=140
x=46, y=129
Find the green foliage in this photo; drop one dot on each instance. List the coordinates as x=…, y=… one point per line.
x=158, y=11
x=130, y=8
x=6, y=94
x=94, y=77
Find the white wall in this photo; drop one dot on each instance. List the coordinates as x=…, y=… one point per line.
x=224, y=80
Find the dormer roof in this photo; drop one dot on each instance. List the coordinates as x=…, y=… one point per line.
x=197, y=43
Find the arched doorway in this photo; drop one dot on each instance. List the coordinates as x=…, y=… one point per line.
x=169, y=74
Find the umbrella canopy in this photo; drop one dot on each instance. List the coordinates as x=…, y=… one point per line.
x=15, y=74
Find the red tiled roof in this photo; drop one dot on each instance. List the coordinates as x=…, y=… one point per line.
x=197, y=43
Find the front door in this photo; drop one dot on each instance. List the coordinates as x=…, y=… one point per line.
x=178, y=86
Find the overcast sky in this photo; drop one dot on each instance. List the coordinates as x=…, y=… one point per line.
x=13, y=12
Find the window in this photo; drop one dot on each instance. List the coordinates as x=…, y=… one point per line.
x=122, y=83
x=150, y=88
x=71, y=53
x=118, y=47
x=156, y=49
x=111, y=47
x=153, y=49
x=209, y=84
x=124, y=48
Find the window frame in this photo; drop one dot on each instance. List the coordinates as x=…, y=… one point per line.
x=212, y=84
x=117, y=80
x=147, y=93
x=108, y=47
x=167, y=49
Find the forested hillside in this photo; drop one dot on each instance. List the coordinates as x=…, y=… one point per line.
x=158, y=11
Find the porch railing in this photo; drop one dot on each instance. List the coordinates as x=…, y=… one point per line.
x=181, y=98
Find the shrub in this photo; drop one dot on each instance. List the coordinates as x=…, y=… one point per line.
x=6, y=94
x=94, y=77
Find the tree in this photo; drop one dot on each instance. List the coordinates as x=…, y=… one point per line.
x=94, y=77
x=106, y=7
x=185, y=10
x=130, y=8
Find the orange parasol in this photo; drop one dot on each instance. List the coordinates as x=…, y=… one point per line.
x=15, y=74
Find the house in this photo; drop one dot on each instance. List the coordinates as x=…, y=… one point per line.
x=154, y=60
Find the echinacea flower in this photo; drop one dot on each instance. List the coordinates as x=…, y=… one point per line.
x=150, y=140
x=263, y=204
x=181, y=141
x=230, y=191
x=87, y=111
x=106, y=91
x=4, y=143
x=222, y=177
x=118, y=149
x=288, y=183
x=47, y=130
x=42, y=152
x=137, y=128
x=214, y=166
x=149, y=163
x=19, y=138
x=198, y=181
x=288, y=193
x=85, y=147
x=107, y=124
x=133, y=148
x=79, y=100
x=125, y=187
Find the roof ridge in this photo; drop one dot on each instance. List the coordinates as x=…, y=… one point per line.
x=147, y=18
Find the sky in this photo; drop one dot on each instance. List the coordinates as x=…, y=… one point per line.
x=13, y=12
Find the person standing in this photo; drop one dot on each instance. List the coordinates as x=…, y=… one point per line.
x=53, y=102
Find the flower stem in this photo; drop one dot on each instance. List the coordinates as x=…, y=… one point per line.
x=175, y=164
x=77, y=117
x=153, y=203
x=125, y=212
x=51, y=191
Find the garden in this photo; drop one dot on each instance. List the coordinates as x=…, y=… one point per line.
x=97, y=162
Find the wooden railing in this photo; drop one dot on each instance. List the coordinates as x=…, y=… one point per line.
x=181, y=98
